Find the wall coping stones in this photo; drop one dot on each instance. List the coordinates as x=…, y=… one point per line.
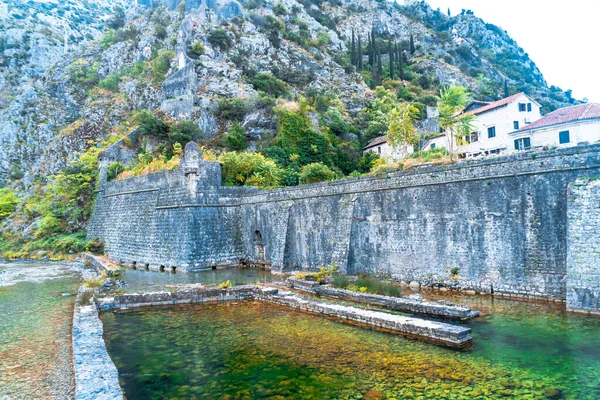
x=96, y=377
x=392, y=303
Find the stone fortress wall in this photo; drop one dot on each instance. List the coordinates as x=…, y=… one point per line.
x=501, y=223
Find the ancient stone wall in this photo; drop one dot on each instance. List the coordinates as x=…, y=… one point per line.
x=495, y=225
x=583, y=246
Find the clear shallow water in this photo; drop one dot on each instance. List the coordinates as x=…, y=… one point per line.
x=142, y=280
x=35, y=330
x=255, y=350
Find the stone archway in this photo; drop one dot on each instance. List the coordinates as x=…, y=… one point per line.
x=259, y=248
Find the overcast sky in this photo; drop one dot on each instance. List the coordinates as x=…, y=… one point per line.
x=561, y=37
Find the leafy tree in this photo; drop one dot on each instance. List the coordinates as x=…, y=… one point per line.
x=402, y=130
x=236, y=138
x=184, y=132
x=316, y=172
x=117, y=19
x=366, y=162
x=269, y=84
x=160, y=31
x=149, y=125
x=8, y=202
x=252, y=169
x=279, y=9
x=453, y=100
x=231, y=109
x=220, y=39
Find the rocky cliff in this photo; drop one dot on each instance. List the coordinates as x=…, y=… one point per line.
x=67, y=79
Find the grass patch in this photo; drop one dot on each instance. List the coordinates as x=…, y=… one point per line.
x=366, y=284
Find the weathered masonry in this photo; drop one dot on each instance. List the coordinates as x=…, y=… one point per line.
x=500, y=223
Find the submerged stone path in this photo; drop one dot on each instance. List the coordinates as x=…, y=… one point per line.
x=392, y=303
x=431, y=331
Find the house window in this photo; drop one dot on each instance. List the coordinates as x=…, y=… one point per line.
x=432, y=146
x=522, y=107
x=516, y=124
x=528, y=107
x=474, y=136
x=564, y=137
x=492, y=132
x=379, y=149
x=523, y=144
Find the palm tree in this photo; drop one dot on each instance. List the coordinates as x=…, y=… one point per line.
x=455, y=124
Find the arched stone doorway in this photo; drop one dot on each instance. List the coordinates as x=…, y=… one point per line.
x=259, y=248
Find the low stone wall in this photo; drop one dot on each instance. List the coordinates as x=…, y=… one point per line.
x=430, y=331
x=96, y=376
x=198, y=294
x=97, y=264
x=392, y=303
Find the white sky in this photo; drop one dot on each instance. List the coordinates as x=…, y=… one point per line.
x=561, y=37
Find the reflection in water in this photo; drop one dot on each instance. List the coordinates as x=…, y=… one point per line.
x=255, y=350
x=35, y=330
x=142, y=280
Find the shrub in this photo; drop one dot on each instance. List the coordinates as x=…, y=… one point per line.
x=8, y=202
x=279, y=9
x=159, y=67
x=422, y=110
x=196, y=50
x=184, y=132
x=114, y=170
x=236, y=138
x=245, y=168
x=269, y=84
x=225, y=285
x=231, y=109
x=428, y=100
x=111, y=83
x=160, y=31
x=220, y=39
x=149, y=125
x=316, y=172
x=405, y=94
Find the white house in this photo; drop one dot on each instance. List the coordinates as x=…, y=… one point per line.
x=381, y=147
x=564, y=127
x=493, y=124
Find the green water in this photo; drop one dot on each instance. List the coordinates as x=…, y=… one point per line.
x=258, y=351
x=35, y=330
x=142, y=280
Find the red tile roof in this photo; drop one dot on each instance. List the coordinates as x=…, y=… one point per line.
x=567, y=114
x=376, y=142
x=494, y=105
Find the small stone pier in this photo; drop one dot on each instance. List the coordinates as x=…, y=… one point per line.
x=391, y=303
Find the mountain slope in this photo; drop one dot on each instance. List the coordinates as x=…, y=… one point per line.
x=223, y=62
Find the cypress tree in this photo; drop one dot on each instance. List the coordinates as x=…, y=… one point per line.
x=505, y=88
x=412, y=44
x=449, y=14
x=353, y=51
x=370, y=49
x=379, y=67
x=374, y=43
x=391, y=53
x=400, y=63
x=360, y=54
